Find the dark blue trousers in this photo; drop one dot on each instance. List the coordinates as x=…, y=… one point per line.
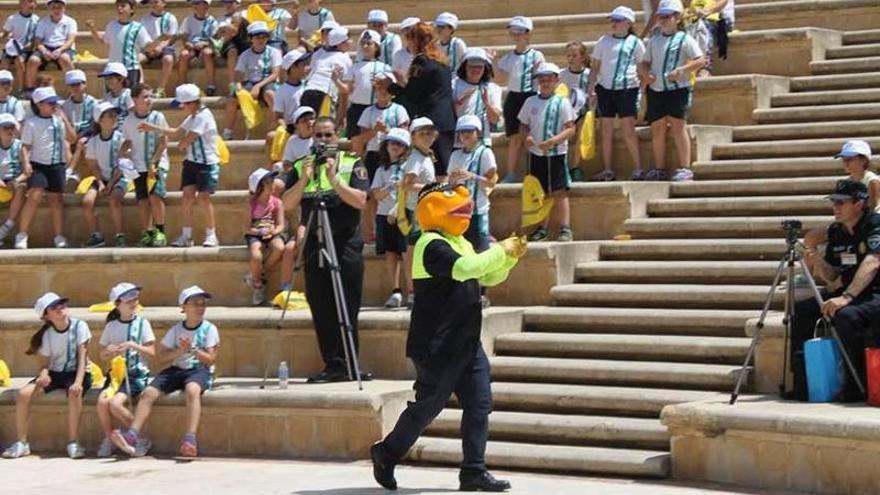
x=468, y=378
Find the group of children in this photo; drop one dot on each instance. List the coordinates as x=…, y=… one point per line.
x=185, y=356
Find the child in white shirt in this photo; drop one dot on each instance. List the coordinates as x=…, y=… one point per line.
x=197, y=33
x=162, y=27
x=125, y=39
x=54, y=42
x=18, y=33
x=102, y=158
x=15, y=168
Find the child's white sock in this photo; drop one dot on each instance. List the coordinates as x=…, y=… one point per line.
x=209, y=232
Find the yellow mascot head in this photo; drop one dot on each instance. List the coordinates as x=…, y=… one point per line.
x=445, y=208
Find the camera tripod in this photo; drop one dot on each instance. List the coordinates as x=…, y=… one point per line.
x=326, y=257
x=787, y=265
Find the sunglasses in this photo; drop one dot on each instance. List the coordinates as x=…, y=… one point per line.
x=322, y=135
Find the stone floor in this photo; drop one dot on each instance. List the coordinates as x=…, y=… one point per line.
x=233, y=476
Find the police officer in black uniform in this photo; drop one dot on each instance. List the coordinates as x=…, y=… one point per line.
x=851, y=261
x=340, y=180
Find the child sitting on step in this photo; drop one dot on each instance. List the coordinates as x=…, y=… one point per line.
x=191, y=348
x=294, y=65
x=60, y=346
x=311, y=18
x=130, y=337
x=18, y=35
x=102, y=158
x=162, y=27
x=15, y=168
x=197, y=33
x=8, y=102
x=264, y=231
x=118, y=93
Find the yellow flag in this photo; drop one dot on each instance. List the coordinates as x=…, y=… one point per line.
x=256, y=13
x=587, y=139
x=250, y=109
x=402, y=220
x=222, y=151
x=297, y=300
x=535, y=205
x=326, y=109
x=281, y=137
x=84, y=56
x=5, y=375
x=5, y=195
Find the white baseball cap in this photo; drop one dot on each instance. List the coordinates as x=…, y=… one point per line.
x=6, y=76
x=399, y=135
x=114, y=69
x=409, y=22
x=301, y=111
x=192, y=291
x=547, y=68
x=44, y=94
x=46, y=301
x=371, y=35
x=520, y=22
x=328, y=25
x=855, y=147
x=100, y=108
x=8, y=120
x=469, y=123
x=257, y=176
x=292, y=57
x=669, y=7
x=377, y=15
x=186, y=93
x=386, y=74
x=420, y=123
x=124, y=291
x=623, y=14
x=257, y=27
x=477, y=54
x=446, y=19
x=75, y=76
x=337, y=36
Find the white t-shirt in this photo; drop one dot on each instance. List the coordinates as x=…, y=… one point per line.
x=479, y=161
x=10, y=161
x=473, y=104
x=282, y=19
x=54, y=34
x=105, y=152
x=296, y=148
x=520, y=68
x=138, y=331
x=546, y=117
x=394, y=115
x=13, y=106
x=575, y=80
x=287, y=100
x=729, y=12
x=454, y=51
x=258, y=66
x=197, y=30
x=361, y=75
x=156, y=26
x=665, y=53
x=205, y=337
x=204, y=148
x=401, y=60
x=45, y=136
x=21, y=28
x=323, y=64
x=80, y=114
x=423, y=167
x=309, y=22
x=126, y=42
x=391, y=44
x=143, y=144
x=61, y=347
x=614, y=75
x=384, y=178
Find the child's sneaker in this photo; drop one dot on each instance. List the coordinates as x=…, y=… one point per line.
x=683, y=174
x=16, y=450
x=75, y=450
x=21, y=241
x=227, y=134
x=126, y=441
x=656, y=175
x=258, y=295
x=143, y=446
x=394, y=301
x=95, y=240
x=188, y=447
x=106, y=448
x=60, y=241
x=211, y=90
x=211, y=241
x=147, y=238
x=565, y=235
x=159, y=239
x=182, y=241
x=5, y=229
x=121, y=240
x=538, y=235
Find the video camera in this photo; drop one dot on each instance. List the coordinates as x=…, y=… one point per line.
x=323, y=151
x=792, y=229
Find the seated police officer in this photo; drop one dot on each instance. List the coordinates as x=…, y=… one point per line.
x=851, y=261
x=339, y=180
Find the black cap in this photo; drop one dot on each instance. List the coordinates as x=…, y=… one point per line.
x=849, y=189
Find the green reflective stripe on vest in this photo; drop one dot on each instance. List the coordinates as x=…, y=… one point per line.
x=551, y=119
x=344, y=169
x=459, y=244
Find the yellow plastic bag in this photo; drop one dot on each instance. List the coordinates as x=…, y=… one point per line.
x=326, y=107
x=222, y=151
x=402, y=220
x=297, y=300
x=281, y=137
x=587, y=139
x=256, y=13
x=250, y=109
x=5, y=195
x=5, y=375
x=117, y=375
x=97, y=374
x=535, y=205
x=85, y=56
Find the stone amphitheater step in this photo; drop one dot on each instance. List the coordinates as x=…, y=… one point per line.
x=752, y=187
x=637, y=321
x=676, y=272
x=845, y=65
x=728, y=350
x=615, y=372
x=739, y=206
x=788, y=148
x=837, y=81
x=696, y=296
x=561, y=429
x=693, y=249
x=704, y=227
x=856, y=111
x=861, y=37
x=831, y=97
x=768, y=168
x=515, y=455
x=853, y=51
x=772, y=132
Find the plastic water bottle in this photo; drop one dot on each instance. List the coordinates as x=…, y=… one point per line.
x=283, y=375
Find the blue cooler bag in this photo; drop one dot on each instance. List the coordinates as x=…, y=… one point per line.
x=824, y=365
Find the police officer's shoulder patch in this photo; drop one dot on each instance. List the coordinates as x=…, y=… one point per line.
x=873, y=244
x=361, y=172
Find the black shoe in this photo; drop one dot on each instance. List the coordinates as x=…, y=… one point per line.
x=366, y=376
x=484, y=483
x=383, y=467
x=329, y=375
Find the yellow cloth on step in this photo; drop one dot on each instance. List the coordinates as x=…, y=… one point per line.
x=117, y=375
x=97, y=374
x=278, y=143
x=85, y=56
x=535, y=205
x=5, y=375
x=297, y=300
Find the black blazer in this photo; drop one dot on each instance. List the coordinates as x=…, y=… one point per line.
x=428, y=93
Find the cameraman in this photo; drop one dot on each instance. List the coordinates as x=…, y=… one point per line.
x=852, y=259
x=340, y=180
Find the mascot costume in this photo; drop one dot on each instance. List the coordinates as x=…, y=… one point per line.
x=444, y=334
